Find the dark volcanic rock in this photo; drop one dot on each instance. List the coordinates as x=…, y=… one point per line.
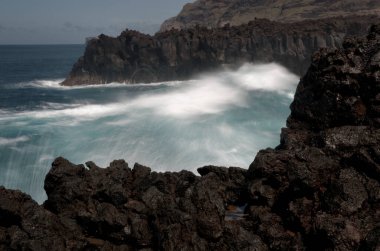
x=143, y=209
x=133, y=57
x=318, y=190
x=24, y=225
x=323, y=180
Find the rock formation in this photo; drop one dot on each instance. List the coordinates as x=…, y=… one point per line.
x=217, y=13
x=133, y=57
x=318, y=190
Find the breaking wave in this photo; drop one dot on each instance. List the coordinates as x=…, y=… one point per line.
x=210, y=94
x=221, y=119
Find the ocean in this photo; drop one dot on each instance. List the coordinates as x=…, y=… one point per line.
x=220, y=118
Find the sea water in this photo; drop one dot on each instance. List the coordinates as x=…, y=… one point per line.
x=221, y=118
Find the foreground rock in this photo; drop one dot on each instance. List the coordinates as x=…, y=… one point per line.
x=318, y=190
x=217, y=13
x=133, y=57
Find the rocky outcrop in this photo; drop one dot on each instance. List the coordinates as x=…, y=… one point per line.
x=180, y=54
x=318, y=190
x=217, y=13
x=322, y=184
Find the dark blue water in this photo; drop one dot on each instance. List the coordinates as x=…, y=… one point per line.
x=20, y=64
x=220, y=119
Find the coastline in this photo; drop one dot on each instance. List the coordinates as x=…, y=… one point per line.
x=319, y=189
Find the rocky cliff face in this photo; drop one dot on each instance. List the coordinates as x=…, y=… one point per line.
x=318, y=190
x=180, y=54
x=217, y=13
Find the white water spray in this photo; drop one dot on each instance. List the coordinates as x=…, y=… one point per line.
x=219, y=119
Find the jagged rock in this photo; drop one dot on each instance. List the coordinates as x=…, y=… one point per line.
x=318, y=190
x=133, y=57
x=24, y=225
x=315, y=180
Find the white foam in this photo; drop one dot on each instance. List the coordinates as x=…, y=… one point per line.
x=84, y=112
x=56, y=84
x=43, y=83
x=13, y=141
x=187, y=124
x=215, y=93
x=206, y=96
x=265, y=77
x=53, y=83
x=211, y=94
x=57, y=106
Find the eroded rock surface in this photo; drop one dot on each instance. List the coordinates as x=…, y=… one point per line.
x=133, y=57
x=318, y=190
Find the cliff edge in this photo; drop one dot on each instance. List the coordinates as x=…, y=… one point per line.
x=133, y=57
x=318, y=190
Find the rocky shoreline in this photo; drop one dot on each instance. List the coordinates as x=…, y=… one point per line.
x=318, y=190
x=133, y=57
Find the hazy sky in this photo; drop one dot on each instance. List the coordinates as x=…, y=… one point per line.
x=70, y=21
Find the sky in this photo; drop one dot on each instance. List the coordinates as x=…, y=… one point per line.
x=71, y=21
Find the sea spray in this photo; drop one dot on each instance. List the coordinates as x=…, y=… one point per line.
x=220, y=119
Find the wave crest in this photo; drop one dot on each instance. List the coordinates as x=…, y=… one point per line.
x=210, y=94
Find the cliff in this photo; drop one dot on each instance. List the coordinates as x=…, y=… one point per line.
x=133, y=57
x=217, y=13
x=318, y=190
